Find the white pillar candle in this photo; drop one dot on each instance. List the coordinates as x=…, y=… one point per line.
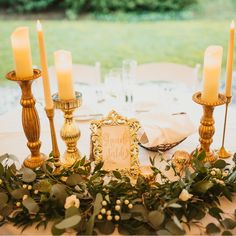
x=230, y=60
x=22, y=53
x=211, y=73
x=63, y=66
x=44, y=67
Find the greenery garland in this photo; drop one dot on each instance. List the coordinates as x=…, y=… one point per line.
x=85, y=197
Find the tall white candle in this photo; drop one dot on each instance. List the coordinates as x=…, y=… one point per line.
x=44, y=66
x=63, y=66
x=211, y=73
x=230, y=59
x=22, y=52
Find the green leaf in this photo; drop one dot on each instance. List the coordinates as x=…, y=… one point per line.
x=229, y=223
x=43, y=186
x=55, y=231
x=90, y=225
x=140, y=210
x=215, y=212
x=177, y=222
x=117, y=174
x=97, y=204
x=232, y=177
x=106, y=227
x=227, y=193
x=28, y=175
x=227, y=233
x=58, y=193
x=19, y=193
x=203, y=186
x=74, y=179
x=163, y=232
x=174, y=205
x=1, y=170
x=69, y=222
x=98, y=166
x=156, y=218
x=221, y=164
x=71, y=211
x=31, y=205
x=212, y=229
x=173, y=228
x=123, y=230
x=3, y=200
x=201, y=156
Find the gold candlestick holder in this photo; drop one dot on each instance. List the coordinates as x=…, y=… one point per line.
x=70, y=133
x=30, y=119
x=207, y=129
x=223, y=153
x=55, y=150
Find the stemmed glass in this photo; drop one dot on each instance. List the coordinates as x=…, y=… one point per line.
x=128, y=80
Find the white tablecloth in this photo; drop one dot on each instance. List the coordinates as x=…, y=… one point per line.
x=12, y=140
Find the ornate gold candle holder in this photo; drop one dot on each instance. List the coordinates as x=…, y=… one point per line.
x=70, y=133
x=223, y=153
x=30, y=119
x=207, y=129
x=55, y=150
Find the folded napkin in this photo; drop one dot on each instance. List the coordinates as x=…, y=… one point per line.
x=162, y=128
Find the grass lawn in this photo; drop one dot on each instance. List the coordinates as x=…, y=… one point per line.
x=111, y=42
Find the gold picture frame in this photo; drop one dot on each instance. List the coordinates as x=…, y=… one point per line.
x=114, y=141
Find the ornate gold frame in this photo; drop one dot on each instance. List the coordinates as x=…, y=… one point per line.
x=114, y=119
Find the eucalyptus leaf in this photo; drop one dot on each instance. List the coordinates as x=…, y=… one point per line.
x=106, y=227
x=69, y=222
x=173, y=228
x=203, y=186
x=212, y=229
x=97, y=204
x=227, y=233
x=3, y=200
x=229, y=223
x=156, y=218
x=19, y=193
x=43, y=186
x=163, y=232
x=74, y=179
x=221, y=164
x=31, y=205
x=58, y=193
x=90, y=225
x=140, y=210
x=28, y=175
x=71, y=211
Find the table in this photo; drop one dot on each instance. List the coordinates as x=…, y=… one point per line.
x=12, y=140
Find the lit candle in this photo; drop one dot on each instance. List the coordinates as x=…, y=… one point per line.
x=63, y=65
x=22, y=52
x=211, y=73
x=230, y=58
x=44, y=67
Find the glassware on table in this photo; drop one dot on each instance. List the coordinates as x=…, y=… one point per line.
x=128, y=80
x=114, y=89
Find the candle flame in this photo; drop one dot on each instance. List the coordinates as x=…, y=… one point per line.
x=39, y=25
x=232, y=24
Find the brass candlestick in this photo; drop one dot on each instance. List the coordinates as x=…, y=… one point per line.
x=70, y=133
x=55, y=150
x=207, y=129
x=223, y=153
x=30, y=119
